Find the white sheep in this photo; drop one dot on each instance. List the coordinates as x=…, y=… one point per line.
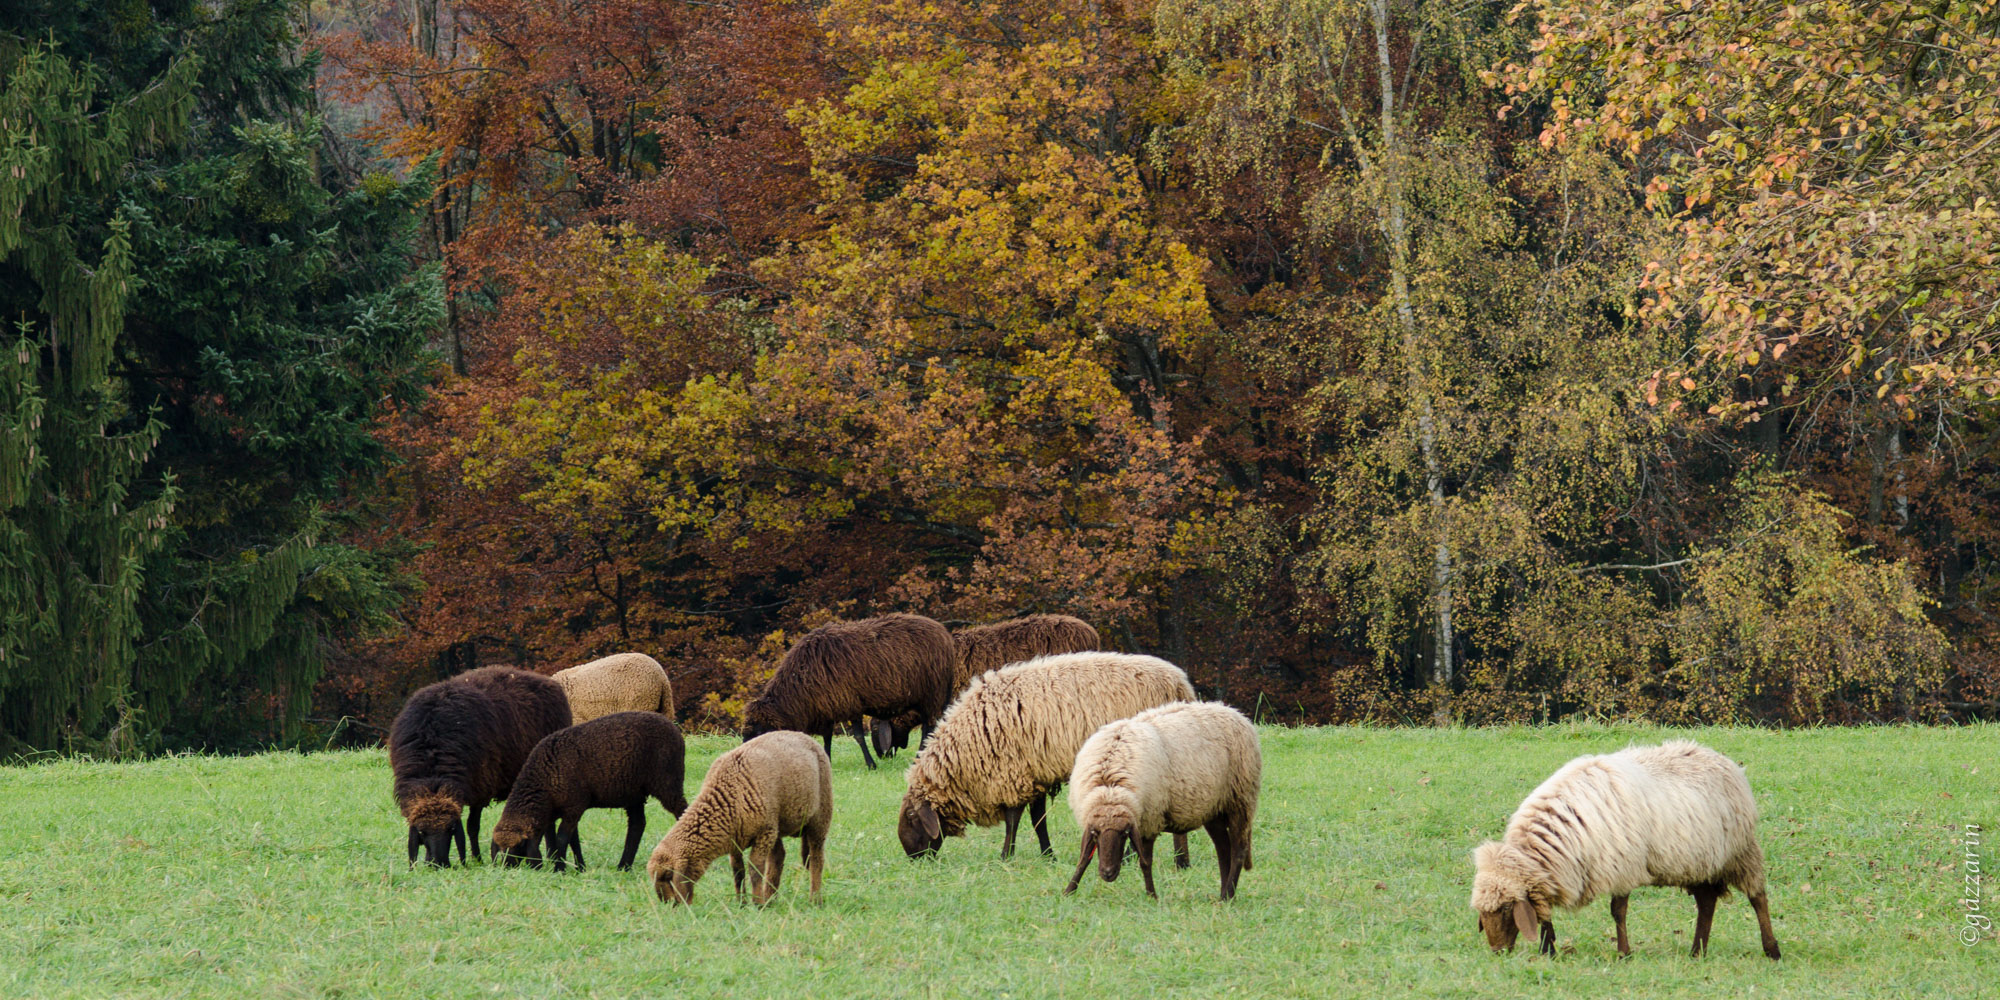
x=775, y=786
x=1674, y=815
x=621, y=682
x=1174, y=769
x=1011, y=738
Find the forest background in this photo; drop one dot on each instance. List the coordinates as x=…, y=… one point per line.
x=1372, y=359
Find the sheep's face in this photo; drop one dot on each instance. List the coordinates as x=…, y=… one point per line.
x=1111, y=853
x=919, y=828
x=1504, y=895
x=513, y=844
x=1504, y=926
x=889, y=738
x=434, y=826
x=752, y=730
x=1498, y=926
x=673, y=886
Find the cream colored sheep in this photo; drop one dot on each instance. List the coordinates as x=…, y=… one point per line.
x=621, y=682
x=1676, y=815
x=1012, y=737
x=775, y=786
x=1171, y=769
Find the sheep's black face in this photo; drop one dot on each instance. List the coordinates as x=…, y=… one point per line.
x=512, y=850
x=436, y=846
x=920, y=828
x=1498, y=925
x=1110, y=854
x=752, y=730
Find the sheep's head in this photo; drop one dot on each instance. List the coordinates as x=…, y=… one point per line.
x=673, y=876
x=889, y=738
x=434, y=825
x=919, y=827
x=514, y=842
x=1503, y=895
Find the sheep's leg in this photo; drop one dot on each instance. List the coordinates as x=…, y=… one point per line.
x=767, y=861
x=1239, y=849
x=1181, y=857
x=1618, y=904
x=1146, y=862
x=1762, y=904
x=736, y=870
x=567, y=838
x=826, y=739
x=1549, y=938
x=557, y=846
x=765, y=856
x=635, y=827
x=1012, y=815
x=472, y=834
x=861, y=740
x=1225, y=852
x=1084, y=853
x=1038, y=814
x=1704, y=910
x=812, y=844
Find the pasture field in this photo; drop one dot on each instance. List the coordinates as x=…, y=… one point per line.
x=282, y=875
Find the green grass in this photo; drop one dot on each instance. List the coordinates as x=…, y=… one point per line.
x=283, y=875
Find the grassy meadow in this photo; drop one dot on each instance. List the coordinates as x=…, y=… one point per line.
x=283, y=875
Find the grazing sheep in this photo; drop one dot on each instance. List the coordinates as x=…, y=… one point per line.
x=611, y=762
x=1173, y=768
x=1676, y=815
x=774, y=786
x=1012, y=737
x=459, y=743
x=841, y=671
x=990, y=647
x=621, y=682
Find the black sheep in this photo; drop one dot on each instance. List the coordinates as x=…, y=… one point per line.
x=839, y=672
x=459, y=743
x=611, y=762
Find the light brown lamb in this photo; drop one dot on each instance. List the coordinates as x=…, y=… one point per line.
x=774, y=786
x=621, y=682
x=1679, y=814
x=1012, y=737
x=1171, y=769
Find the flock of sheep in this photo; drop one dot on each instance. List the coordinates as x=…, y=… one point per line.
x=1009, y=714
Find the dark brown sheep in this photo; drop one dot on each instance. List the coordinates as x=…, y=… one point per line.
x=459, y=743
x=981, y=648
x=841, y=671
x=612, y=762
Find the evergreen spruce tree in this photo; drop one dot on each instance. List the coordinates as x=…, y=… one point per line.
x=73, y=538
x=270, y=311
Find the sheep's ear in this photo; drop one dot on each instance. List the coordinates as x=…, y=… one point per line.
x=1524, y=918
x=929, y=818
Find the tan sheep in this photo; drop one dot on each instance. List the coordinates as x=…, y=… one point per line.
x=1676, y=815
x=1012, y=737
x=775, y=786
x=621, y=682
x=1171, y=769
